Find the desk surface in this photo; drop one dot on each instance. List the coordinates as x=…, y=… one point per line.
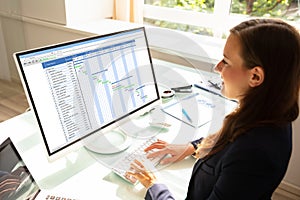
x=84, y=175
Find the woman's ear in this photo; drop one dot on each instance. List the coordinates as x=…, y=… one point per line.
x=256, y=76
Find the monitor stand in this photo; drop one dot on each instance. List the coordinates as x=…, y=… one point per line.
x=120, y=138
x=110, y=142
x=146, y=125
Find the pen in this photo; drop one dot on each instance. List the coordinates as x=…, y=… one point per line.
x=215, y=85
x=186, y=115
x=182, y=87
x=212, y=92
x=207, y=90
x=183, y=90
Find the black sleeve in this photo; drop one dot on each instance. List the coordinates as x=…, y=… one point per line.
x=159, y=192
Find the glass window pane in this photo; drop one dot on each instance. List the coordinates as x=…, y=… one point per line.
x=206, y=6
x=284, y=9
x=203, y=6
x=180, y=27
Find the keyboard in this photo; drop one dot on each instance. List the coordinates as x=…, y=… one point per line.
x=53, y=197
x=123, y=165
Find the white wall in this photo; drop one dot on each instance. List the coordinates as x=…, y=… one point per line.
x=78, y=11
x=5, y=72
x=12, y=32
x=64, y=11
x=33, y=23
x=52, y=11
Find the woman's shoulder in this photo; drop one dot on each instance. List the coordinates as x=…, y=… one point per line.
x=265, y=147
x=266, y=139
x=267, y=132
x=276, y=128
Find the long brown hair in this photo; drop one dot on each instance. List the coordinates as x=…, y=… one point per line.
x=275, y=46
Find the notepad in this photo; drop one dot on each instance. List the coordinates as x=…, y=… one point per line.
x=200, y=109
x=197, y=107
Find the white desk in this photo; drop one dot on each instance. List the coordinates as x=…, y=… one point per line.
x=80, y=174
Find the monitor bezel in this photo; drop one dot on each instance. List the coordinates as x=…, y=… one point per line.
x=74, y=145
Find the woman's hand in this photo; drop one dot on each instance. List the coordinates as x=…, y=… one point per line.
x=176, y=152
x=139, y=172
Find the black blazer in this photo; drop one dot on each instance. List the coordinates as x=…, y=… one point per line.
x=249, y=168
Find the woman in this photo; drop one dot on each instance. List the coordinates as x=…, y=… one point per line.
x=248, y=157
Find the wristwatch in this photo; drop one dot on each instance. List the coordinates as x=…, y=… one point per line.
x=195, y=144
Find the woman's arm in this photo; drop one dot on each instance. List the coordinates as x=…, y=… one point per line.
x=159, y=192
x=176, y=152
x=148, y=180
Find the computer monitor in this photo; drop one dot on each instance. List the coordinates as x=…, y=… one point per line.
x=81, y=87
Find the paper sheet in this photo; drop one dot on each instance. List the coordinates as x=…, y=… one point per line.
x=200, y=109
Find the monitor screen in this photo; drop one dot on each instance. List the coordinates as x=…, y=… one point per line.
x=80, y=87
x=16, y=181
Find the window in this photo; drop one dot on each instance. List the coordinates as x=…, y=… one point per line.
x=204, y=16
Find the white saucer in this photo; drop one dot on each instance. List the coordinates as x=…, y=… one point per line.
x=108, y=143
